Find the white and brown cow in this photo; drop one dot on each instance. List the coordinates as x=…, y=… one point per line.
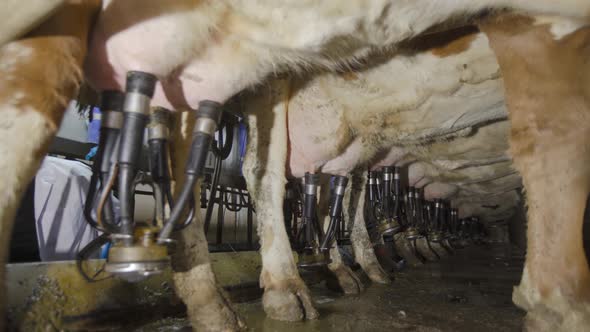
x=213, y=49
x=436, y=102
x=435, y=107
x=40, y=71
x=546, y=74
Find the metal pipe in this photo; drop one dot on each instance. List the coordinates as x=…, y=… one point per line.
x=139, y=91
x=340, y=183
x=111, y=123
x=311, y=182
x=208, y=117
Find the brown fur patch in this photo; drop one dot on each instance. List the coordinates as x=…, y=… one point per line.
x=50, y=74
x=454, y=47
x=349, y=76
x=444, y=43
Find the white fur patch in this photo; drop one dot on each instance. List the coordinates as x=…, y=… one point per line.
x=11, y=54
x=559, y=26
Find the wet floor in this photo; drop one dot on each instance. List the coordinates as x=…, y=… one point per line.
x=470, y=291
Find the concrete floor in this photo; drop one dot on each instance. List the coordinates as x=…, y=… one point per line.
x=469, y=291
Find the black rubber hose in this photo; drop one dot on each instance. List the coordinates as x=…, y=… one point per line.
x=410, y=207
x=225, y=145
x=370, y=205
x=139, y=90
x=110, y=145
x=208, y=118
x=190, y=216
x=160, y=173
x=397, y=193
x=129, y=150
x=437, y=211
x=212, y=193
x=309, y=206
x=158, y=151
x=90, y=198
x=85, y=253
x=106, y=141
x=372, y=187
x=100, y=167
x=194, y=168
x=108, y=213
x=419, y=197
x=340, y=182
x=386, y=208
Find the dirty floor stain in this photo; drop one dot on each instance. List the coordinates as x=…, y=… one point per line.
x=469, y=291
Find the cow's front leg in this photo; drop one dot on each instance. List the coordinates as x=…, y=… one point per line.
x=208, y=307
x=548, y=97
x=286, y=297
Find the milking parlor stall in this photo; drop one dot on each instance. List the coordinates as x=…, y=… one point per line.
x=240, y=165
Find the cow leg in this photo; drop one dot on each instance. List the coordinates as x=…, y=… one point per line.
x=38, y=76
x=348, y=281
x=547, y=81
x=364, y=254
x=408, y=250
x=438, y=248
x=208, y=307
x=425, y=249
x=286, y=297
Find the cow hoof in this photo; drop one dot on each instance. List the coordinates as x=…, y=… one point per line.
x=406, y=250
x=425, y=249
x=440, y=251
x=347, y=281
x=377, y=274
x=553, y=312
x=208, y=307
x=544, y=319
x=291, y=304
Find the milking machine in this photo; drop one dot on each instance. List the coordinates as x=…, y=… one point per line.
x=388, y=223
x=435, y=234
x=372, y=203
x=433, y=226
x=383, y=208
x=476, y=230
x=454, y=229
x=313, y=243
x=447, y=228
x=414, y=221
x=140, y=248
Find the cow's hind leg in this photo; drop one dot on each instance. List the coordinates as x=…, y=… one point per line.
x=39, y=74
x=547, y=81
x=348, y=281
x=208, y=307
x=286, y=297
x=364, y=254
